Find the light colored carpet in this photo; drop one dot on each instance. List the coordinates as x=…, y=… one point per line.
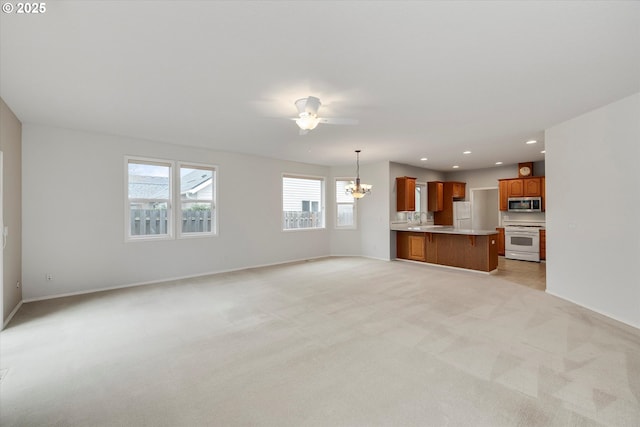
x=332, y=342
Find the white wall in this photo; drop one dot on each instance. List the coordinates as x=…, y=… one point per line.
x=10, y=145
x=345, y=242
x=593, y=193
x=374, y=211
x=482, y=178
x=73, y=217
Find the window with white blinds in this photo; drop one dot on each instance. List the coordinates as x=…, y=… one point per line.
x=345, y=205
x=302, y=202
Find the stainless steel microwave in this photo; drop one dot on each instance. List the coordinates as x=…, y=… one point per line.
x=525, y=204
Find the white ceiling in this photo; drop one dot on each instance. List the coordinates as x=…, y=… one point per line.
x=423, y=78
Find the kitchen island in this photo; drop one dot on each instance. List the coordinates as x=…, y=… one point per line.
x=449, y=246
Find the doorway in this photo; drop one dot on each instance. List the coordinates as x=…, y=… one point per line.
x=485, y=213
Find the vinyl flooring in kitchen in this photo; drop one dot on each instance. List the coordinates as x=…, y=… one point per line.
x=527, y=273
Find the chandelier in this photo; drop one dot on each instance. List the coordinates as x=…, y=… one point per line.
x=356, y=189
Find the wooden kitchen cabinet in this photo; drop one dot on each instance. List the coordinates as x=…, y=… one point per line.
x=457, y=189
x=435, y=199
x=515, y=188
x=521, y=187
x=405, y=194
x=450, y=190
x=411, y=246
x=503, y=189
x=543, y=244
x=417, y=247
x=532, y=187
x=501, y=247
x=431, y=248
x=474, y=251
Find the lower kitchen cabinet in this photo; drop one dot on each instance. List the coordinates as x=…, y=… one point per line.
x=474, y=252
x=501, y=248
x=417, y=247
x=543, y=244
x=431, y=246
x=411, y=246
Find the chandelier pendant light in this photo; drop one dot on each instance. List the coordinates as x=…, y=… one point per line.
x=356, y=189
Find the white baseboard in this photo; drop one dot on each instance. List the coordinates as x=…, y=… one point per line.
x=13, y=313
x=168, y=279
x=603, y=313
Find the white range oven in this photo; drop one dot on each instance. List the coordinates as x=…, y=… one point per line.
x=522, y=242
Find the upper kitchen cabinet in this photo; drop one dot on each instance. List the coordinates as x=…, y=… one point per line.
x=516, y=187
x=532, y=187
x=441, y=197
x=458, y=189
x=405, y=194
x=435, y=201
x=503, y=189
x=521, y=187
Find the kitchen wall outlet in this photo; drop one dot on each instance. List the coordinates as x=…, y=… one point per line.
x=49, y=277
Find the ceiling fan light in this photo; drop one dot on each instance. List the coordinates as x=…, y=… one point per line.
x=307, y=121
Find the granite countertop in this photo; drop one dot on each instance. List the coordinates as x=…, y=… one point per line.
x=442, y=229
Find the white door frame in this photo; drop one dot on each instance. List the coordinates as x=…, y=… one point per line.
x=471, y=192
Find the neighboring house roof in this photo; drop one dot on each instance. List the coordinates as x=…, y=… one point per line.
x=157, y=187
x=148, y=187
x=194, y=180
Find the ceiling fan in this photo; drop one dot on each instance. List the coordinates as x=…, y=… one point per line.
x=308, y=115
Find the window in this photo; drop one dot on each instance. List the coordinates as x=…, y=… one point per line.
x=150, y=210
x=197, y=200
x=302, y=202
x=345, y=205
x=149, y=199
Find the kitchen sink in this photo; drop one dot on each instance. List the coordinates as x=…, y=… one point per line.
x=423, y=227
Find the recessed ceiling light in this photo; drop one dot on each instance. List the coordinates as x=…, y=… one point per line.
x=531, y=141
x=466, y=152
x=543, y=151
x=498, y=163
x=456, y=167
x=424, y=159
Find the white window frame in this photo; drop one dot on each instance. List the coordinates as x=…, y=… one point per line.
x=214, y=208
x=174, y=204
x=127, y=208
x=337, y=203
x=322, y=210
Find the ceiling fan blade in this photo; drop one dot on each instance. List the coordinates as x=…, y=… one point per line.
x=338, y=121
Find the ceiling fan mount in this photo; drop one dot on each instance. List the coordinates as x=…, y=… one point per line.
x=308, y=115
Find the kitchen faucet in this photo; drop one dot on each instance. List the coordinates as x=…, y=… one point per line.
x=418, y=216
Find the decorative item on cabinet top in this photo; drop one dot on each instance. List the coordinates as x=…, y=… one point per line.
x=525, y=169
